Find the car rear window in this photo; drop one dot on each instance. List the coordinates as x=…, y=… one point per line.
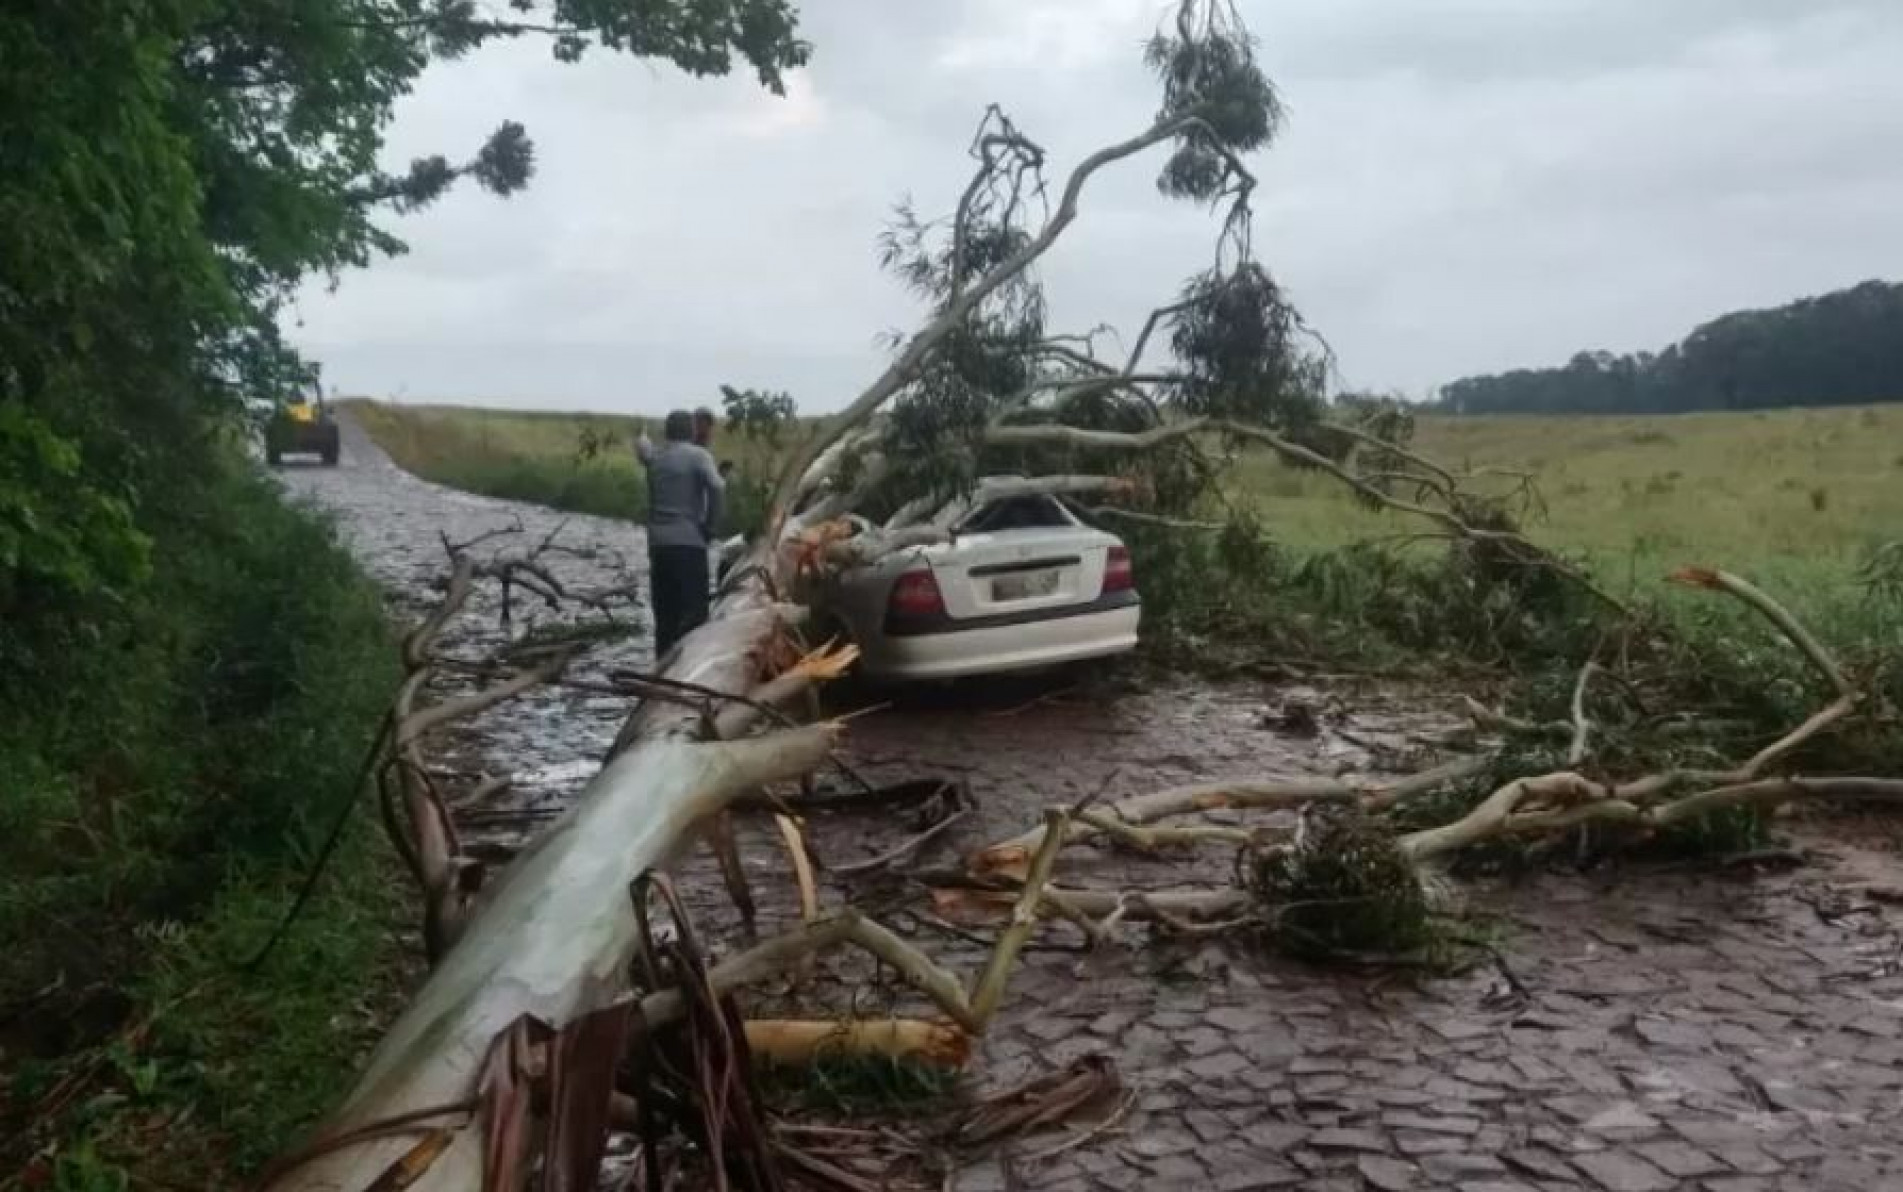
x=1015, y=513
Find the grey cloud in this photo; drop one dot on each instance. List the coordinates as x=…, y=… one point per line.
x=1473, y=42
x=1465, y=185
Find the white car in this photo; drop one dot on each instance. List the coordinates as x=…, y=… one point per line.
x=1023, y=584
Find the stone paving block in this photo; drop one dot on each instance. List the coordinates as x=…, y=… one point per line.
x=1258, y=1177
x=1339, y=1139
x=1414, y=1143
x=1159, y=1140
x=1539, y=1163
x=1623, y=1120
x=1112, y=1022
x=1218, y=1066
x=1680, y=1160
x=1459, y=1168
x=1387, y=1175
x=1622, y=1171
x=1463, y=1126
x=1176, y=1171
x=1449, y=1089
x=1273, y=1136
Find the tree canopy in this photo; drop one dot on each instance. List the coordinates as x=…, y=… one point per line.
x=965, y=393
x=1843, y=348
x=171, y=169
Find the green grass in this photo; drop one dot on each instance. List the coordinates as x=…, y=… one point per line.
x=1795, y=500
x=1789, y=490
x=1798, y=493
x=583, y=463
x=167, y=767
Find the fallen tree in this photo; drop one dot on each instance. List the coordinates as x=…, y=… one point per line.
x=549, y=989
x=1271, y=877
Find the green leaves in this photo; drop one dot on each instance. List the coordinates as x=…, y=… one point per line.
x=758, y=414
x=507, y=160
x=1244, y=350
x=1209, y=72
x=171, y=170
x=60, y=537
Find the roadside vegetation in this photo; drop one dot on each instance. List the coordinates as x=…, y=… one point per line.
x=190, y=670
x=579, y=462
x=168, y=771
x=518, y=455
x=1802, y=499
x=1767, y=486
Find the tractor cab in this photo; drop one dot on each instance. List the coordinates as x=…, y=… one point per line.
x=303, y=425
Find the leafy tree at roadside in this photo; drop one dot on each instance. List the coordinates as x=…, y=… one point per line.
x=170, y=170
x=189, y=669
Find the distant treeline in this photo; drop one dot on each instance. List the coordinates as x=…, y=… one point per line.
x=1844, y=348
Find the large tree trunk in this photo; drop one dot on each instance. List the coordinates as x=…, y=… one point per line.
x=555, y=936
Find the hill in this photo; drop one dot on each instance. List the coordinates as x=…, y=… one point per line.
x=1842, y=348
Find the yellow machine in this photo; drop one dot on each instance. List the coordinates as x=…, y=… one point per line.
x=304, y=425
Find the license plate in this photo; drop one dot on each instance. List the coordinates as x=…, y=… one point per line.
x=1027, y=586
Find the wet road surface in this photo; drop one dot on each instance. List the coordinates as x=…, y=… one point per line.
x=1683, y=1027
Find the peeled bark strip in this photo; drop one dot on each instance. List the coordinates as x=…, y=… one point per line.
x=1011, y=858
x=553, y=942
x=1493, y=817
x=798, y=1044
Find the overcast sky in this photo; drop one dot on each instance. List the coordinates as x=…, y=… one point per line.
x=1463, y=186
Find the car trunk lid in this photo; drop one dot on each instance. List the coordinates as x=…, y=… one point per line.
x=1019, y=571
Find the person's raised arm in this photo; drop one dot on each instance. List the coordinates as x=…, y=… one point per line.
x=715, y=488
x=643, y=446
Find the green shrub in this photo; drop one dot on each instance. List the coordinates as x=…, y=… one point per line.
x=167, y=766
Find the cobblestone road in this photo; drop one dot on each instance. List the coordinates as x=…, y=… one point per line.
x=1683, y=1028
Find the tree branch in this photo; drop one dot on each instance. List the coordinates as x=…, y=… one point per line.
x=902, y=370
x=1582, y=727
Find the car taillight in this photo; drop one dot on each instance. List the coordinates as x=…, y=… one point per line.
x=1117, y=574
x=916, y=594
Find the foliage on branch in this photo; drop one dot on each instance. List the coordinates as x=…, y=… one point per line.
x=1342, y=886
x=1244, y=351
x=1209, y=73
x=1236, y=347
x=757, y=413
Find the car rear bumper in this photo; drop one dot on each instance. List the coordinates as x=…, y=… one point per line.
x=963, y=650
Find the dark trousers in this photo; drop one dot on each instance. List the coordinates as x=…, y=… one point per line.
x=677, y=576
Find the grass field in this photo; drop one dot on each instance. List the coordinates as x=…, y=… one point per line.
x=580, y=462
x=1786, y=493
x=1803, y=490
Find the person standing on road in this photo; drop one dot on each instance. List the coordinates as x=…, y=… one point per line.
x=685, y=499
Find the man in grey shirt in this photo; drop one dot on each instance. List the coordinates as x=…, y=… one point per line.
x=685, y=496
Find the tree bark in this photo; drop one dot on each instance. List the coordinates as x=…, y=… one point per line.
x=553, y=938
